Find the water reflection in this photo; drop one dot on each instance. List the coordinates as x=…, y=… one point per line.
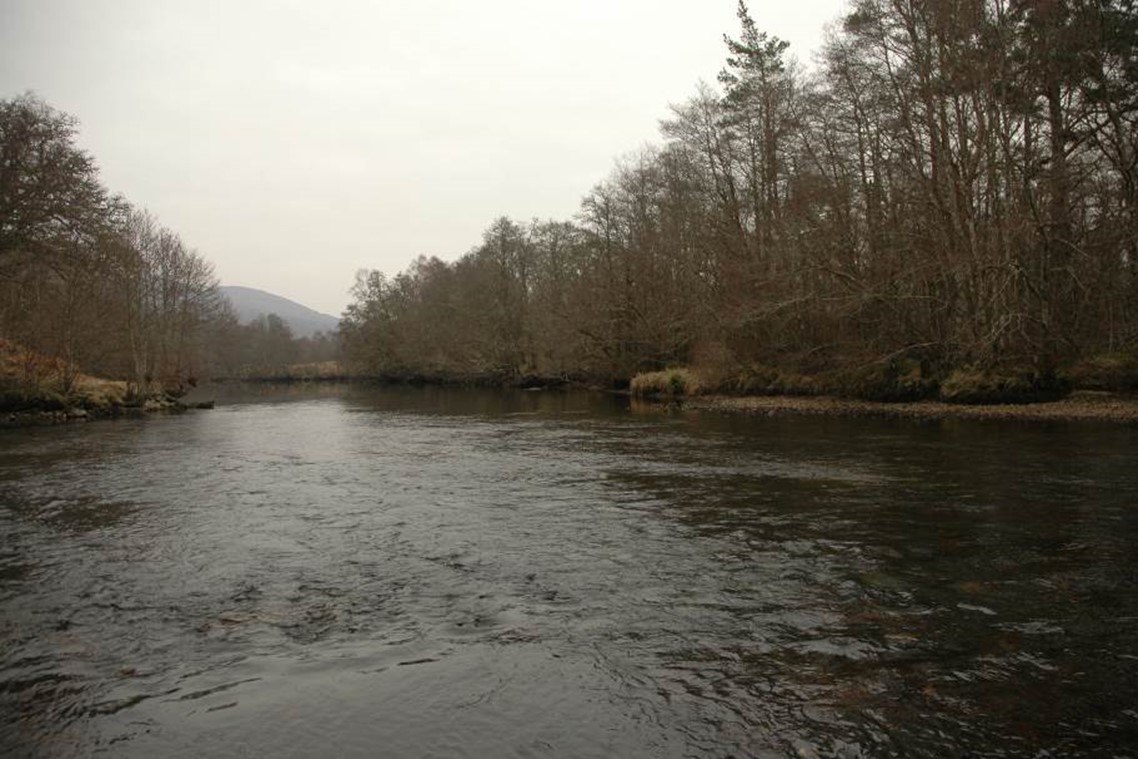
x=449, y=572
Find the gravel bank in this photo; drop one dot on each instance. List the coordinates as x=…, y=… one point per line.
x=1079, y=406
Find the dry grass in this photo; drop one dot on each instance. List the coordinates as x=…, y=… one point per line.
x=670, y=383
x=94, y=392
x=30, y=379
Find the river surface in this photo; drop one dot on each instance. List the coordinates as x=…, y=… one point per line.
x=428, y=573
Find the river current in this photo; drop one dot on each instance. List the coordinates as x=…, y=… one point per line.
x=345, y=571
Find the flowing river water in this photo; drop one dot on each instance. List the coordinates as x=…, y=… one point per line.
x=446, y=573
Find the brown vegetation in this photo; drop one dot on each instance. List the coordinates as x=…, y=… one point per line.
x=320, y=371
x=670, y=383
x=882, y=382
x=32, y=382
x=1079, y=406
x=946, y=207
x=90, y=283
x=87, y=282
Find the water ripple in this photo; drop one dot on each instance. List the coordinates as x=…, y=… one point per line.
x=434, y=573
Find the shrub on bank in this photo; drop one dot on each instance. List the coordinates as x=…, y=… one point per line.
x=765, y=380
x=975, y=385
x=89, y=393
x=15, y=397
x=894, y=381
x=1116, y=372
x=322, y=370
x=670, y=383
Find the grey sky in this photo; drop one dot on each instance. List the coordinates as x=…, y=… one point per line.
x=293, y=143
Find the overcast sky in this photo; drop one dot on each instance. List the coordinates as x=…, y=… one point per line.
x=293, y=143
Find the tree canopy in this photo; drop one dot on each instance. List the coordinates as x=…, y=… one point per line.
x=954, y=184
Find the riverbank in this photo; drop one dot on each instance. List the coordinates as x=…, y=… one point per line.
x=333, y=372
x=91, y=398
x=72, y=413
x=1083, y=405
x=36, y=390
x=1080, y=405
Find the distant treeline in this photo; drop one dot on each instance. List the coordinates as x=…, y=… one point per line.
x=89, y=283
x=955, y=184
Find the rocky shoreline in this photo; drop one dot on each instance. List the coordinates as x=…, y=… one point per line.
x=78, y=414
x=1085, y=405
x=1080, y=406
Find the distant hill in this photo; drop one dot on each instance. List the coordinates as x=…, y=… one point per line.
x=250, y=303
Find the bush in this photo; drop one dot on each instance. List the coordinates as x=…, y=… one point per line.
x=1117, y=372
x=11, y=399
x=670, y=383
x=988, y=386
x=764, y=380
x=895, y=381
x=15, y=398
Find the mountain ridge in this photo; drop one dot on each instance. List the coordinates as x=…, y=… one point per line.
x=250, y=303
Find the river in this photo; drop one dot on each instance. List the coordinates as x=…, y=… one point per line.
x=444, y=573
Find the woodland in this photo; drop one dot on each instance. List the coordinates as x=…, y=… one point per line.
x=94, y=287
x=944, y=204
